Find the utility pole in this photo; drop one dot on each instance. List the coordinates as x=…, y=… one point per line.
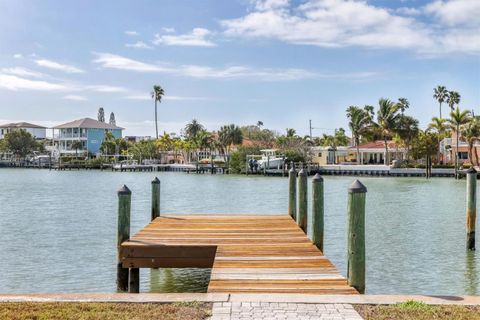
x=310, y=123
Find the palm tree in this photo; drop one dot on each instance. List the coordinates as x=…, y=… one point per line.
x=407, y=129
x=291, y=132
x=259, y=124
x=157, y=95
x=193, y=128
x=387, y=119
x=230, y=135
x=438, y=125
x=457, y=119
x=360, y=122
x=453, y=98
x=403, y=104
x=440, y=93
x=77, y=144
x=470, y=133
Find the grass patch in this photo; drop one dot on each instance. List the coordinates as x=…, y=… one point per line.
x=414, y=310
x=104, y=311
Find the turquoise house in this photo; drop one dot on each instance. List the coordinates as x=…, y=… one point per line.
x=88, y=131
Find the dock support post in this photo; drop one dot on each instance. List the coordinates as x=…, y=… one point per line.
x=155, y=198
x=318, y=211
x=134, y=280
x=471, y=207
x=123, y=234
x=302, y=199
x=292, y=192
x=356, y=236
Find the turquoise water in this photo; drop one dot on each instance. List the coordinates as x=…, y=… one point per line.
x=58, y=229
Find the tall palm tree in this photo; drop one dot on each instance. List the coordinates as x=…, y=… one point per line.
x=403, y=104
x=387, y=119
x=407, y=129
x=470, y=133
x=291, y=132
x=230, y=135
x=193, y=128
x=157, y=95
x=457, y=119
x=360, y=122
x=453, y=98
x=440, y=93
x=440, y=126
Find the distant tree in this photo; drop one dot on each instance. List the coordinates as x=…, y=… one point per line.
x=112, y=120
x=470, y=134
x=291, y=132
x=157, y=95
x=424, y=147
x=101, y=115
x=453, y=99
x=407, y=129
x=438, y=125
x=457, y=120
x=360, y=121
x=20, y=142
x=440, y=93
x=230, y=135
x=193, y=128
x=76, y=145
x=259, y=124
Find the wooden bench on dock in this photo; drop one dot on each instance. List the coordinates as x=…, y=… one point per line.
x=247, y=253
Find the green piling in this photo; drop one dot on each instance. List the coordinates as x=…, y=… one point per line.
x=356, y=236
x=155, y=198
x=292, y=192
x=302, y=199
x=123, y=234
x=471, y=207
x=317, y=211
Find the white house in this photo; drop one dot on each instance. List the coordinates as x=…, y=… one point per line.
x=37, y=131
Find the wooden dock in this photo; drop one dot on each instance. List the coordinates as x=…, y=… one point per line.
x=247, y=253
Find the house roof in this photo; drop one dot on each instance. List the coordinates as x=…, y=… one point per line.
x=378, y=144
x=21, y=125
x=88, y=123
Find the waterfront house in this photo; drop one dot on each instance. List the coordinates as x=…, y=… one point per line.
x=37, y=131
x=374, y=152
x=329, y=155
x=448, y=148
x=89, y=131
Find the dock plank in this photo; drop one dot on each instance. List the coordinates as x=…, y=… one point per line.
x=247, y=253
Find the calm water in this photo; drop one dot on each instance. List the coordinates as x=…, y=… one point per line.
x=58, y=229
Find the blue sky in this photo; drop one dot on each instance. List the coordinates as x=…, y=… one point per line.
x=282, y=62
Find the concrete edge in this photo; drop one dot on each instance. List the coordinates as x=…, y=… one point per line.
x=236, y=297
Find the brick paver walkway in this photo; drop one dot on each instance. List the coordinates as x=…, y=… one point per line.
x=282, y=311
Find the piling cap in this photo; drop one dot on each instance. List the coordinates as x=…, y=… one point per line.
x=302, y=172
x=357, y=187
x=292, y=169
x=317, y=178
x=156, y=180
x=124, y=190
x=471, y=170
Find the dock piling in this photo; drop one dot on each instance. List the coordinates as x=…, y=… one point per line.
x=155, y=198
x=134, y=280
x=317, y=211
x=292, y=192
x=471, y=207
x=302, y=199
x=356, y=236
x=123, y=234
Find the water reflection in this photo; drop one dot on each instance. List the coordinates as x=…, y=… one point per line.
x=179, y=280
x=471, y=274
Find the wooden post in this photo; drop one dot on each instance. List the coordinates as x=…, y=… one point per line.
x=123, y=234
x=292, y=192
x=471, y=207
x=317, y=210
x=134, y=280
x=284, y=166
x=155, y=198
x=302, y=199
x=356, y=236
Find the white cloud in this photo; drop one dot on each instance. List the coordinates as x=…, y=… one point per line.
x=75, y=97
x=198, y=37
x=132, y=33
x=15, y=83
x=112, y=61
x=105, y=88
x=456, y=12
x=339, y=23
x=138, y=45
x=58, y=66
x=18, y=56
x=168, y=30
x=22, y=72
x=409, y=11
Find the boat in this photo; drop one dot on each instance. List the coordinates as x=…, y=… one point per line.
x=126, y=164
x=270, y=159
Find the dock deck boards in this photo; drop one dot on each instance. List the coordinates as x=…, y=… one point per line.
x=247, y=253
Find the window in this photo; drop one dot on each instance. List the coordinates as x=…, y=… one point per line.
x=463, y=155
x=319, y=154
